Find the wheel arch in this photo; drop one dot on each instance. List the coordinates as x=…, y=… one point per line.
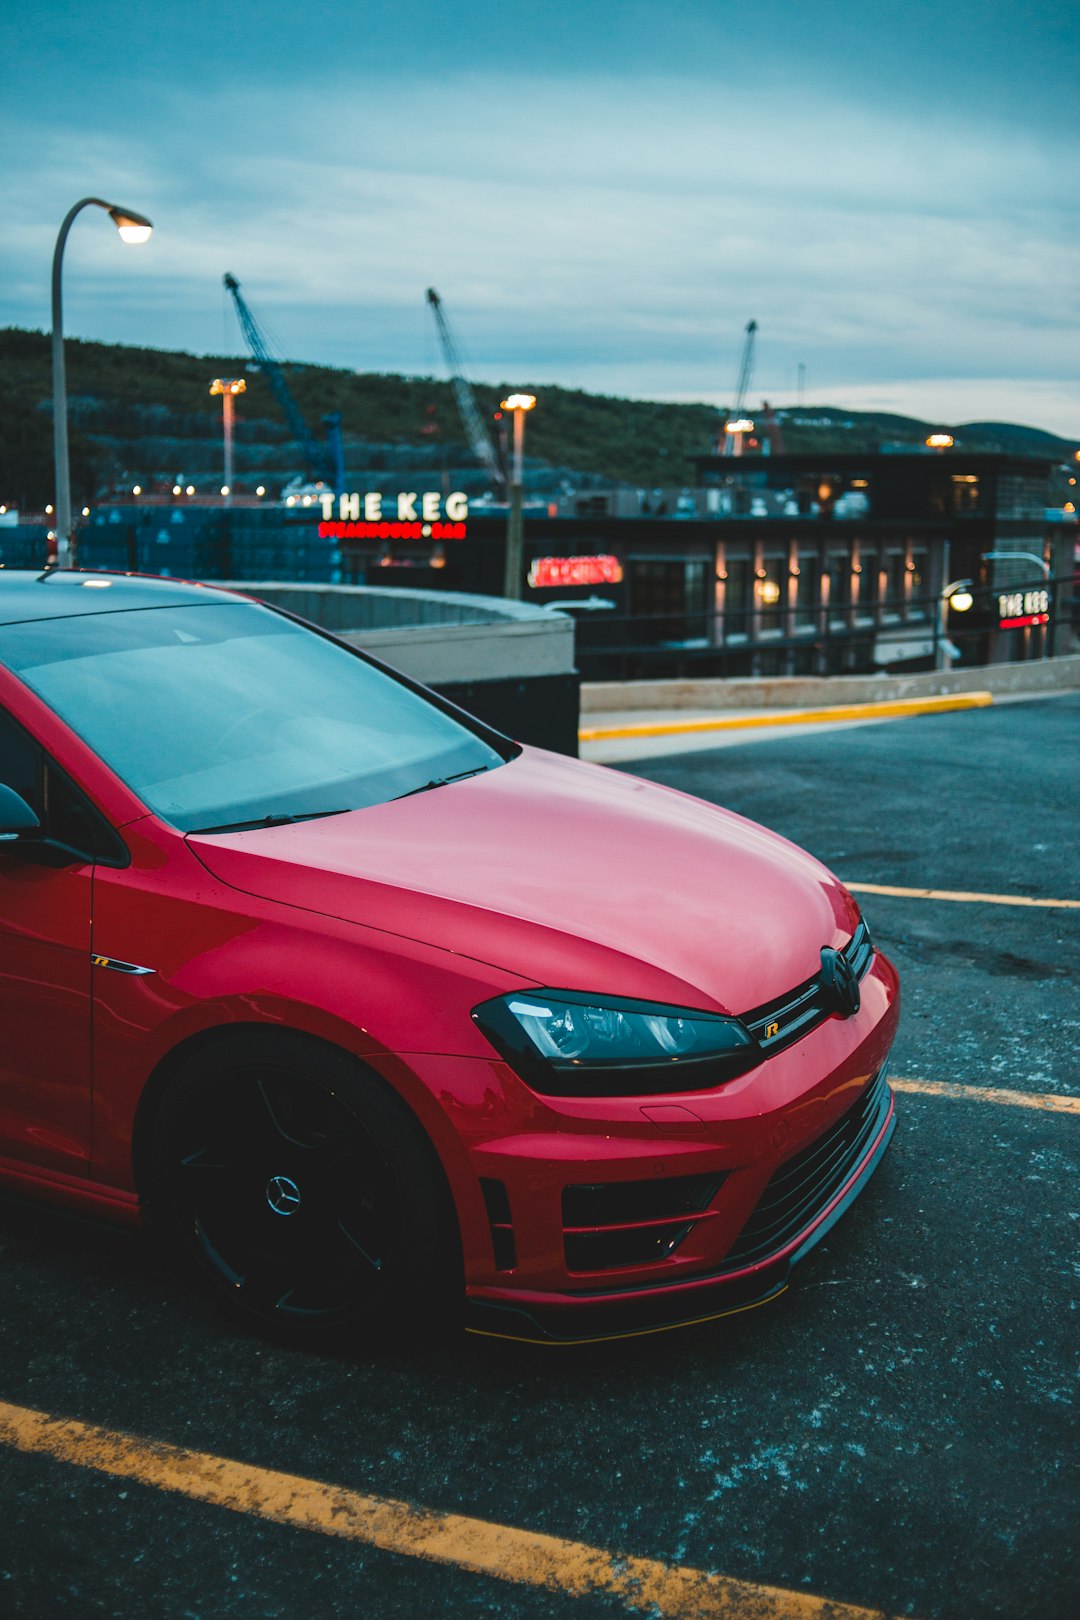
x=167, y=1071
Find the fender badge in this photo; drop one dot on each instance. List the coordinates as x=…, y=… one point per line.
x=119, y=967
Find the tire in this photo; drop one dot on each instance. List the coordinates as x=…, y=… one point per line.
x=303, y=1193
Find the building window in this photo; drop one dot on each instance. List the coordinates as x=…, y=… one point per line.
x=737, y=597
x=893, y=572
x=806, y=590
x=769, y=591
x=866, y=585
x=839, y=586
x=918, y=606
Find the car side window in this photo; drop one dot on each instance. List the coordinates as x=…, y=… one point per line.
x=66, y=815
x=22, y=764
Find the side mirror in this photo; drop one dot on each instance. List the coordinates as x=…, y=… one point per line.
x=16, y=817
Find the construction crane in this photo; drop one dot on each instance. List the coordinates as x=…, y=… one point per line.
x=323, y=463
x=475, y=431
x=730, y=440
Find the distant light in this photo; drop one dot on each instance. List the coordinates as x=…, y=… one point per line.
x=86, y=511
x=1068, y=507
x=739, y=424
x=228, y=385
x=961, y=601
x=940, y=441
x=3, y=508
x=770, y=592
x=95, y=584
x=290, y=500
x=261, y=490
x=176, y=489
x=48, y=510
x=136, y=489
x=190, y=489
x=224, y=489
x=518, y=402
x=307, y=500
x=860, y=483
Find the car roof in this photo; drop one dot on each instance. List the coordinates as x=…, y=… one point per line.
x=61, y=593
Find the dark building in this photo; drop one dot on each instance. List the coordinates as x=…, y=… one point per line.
x=770, y=565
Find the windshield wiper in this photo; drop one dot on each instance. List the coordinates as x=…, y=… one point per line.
x=268, y=821
x=443, y=781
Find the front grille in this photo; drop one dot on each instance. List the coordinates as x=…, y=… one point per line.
x=631, y=1223
x=807, y=1184
x=791, y=1016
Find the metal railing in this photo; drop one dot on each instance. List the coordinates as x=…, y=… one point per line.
x=830, y=638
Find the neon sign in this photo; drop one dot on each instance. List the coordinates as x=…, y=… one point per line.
x=559, y=572
x=1017, y=610
x=369, y=508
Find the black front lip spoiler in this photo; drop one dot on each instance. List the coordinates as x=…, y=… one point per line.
x=592, y=1318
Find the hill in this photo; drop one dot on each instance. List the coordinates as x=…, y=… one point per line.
x=146, y=415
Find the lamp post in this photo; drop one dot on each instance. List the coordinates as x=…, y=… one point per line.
x=133, y=228
x=519, y=404
x=958, y=596
x=228, y=388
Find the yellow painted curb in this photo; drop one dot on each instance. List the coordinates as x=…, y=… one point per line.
x=888, y=710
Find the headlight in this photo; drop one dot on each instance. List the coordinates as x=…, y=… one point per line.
x=573, y=1045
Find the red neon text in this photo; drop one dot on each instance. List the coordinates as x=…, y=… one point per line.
x=391, y=531
x=561, y=571
x=1023, y=622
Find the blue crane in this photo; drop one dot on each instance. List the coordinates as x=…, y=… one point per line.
x=322, y=462
x=477, y=434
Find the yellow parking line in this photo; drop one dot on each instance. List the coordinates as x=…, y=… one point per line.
x=571, y=1568
x=892, y=709
x=968, y=897
x=1050, y=1102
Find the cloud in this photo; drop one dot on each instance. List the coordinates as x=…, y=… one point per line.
x=601, y=233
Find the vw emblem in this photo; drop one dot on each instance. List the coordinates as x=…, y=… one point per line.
x=283, y=1195
x=840, y=987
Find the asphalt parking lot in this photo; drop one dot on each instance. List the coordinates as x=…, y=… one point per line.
x=896, y=1434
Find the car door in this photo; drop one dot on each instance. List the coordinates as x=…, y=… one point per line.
x=45, y=968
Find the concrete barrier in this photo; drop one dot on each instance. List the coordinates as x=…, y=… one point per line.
x=820, y=691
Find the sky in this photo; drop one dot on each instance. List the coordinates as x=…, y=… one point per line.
x=604, y=192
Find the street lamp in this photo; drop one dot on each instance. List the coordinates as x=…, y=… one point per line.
x=519, y=404
x=940, y=441
x=133, y=228
x=958, y=597
x=228, y=388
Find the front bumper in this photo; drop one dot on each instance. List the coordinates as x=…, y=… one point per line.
x=799, y=1205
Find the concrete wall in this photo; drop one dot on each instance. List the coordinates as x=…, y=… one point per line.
x=1039, y=675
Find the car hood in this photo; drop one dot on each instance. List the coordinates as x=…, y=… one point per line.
x=570, y=875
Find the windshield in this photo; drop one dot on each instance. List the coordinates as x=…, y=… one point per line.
x=229, y=714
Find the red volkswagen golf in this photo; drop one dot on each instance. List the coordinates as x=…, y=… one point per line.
x=376, y=1014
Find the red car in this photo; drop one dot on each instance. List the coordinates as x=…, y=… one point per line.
x=375, y=1012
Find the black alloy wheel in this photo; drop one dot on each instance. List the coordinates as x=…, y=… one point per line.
x=302, y=1190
